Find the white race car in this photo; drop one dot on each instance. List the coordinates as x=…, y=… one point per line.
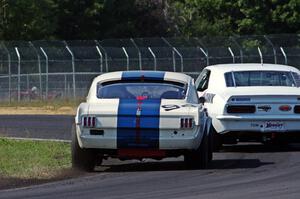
x=259, y=102
x=141, y=114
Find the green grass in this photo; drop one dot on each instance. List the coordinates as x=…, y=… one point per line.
x=33, y=159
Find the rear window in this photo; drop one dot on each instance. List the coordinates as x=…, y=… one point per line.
x=261, y=78
x=148, y=90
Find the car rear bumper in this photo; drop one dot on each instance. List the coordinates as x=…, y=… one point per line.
x=168, y=140
x=263, y=124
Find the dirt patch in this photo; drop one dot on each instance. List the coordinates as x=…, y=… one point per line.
x=10, y=182
x=45, y=110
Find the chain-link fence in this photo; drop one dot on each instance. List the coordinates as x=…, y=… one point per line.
x=47, y=70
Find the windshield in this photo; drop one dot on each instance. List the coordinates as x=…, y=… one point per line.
x=261, y=78
x=146, y=90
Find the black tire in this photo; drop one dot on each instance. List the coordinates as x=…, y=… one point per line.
x=217, y=139
x=82, y=159
x=198, y=159
x=210, y=144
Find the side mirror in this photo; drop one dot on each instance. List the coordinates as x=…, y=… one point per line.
x=202, y=100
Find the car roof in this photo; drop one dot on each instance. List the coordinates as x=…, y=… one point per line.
x=251, y=66
x=153, y=75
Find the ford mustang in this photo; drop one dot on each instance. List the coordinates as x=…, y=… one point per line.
x=251, y=102
x=141, y=114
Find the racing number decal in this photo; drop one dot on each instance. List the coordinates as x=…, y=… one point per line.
x=170, y=107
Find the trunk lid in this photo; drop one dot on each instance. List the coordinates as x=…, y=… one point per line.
x=265, y=100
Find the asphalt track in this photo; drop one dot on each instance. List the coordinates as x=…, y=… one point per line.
x=242, y=171
x=37, y=126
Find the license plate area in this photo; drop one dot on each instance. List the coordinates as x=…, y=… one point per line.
x=274, y=126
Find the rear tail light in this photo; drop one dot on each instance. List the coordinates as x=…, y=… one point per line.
x=89, y=122
x=187, y=122
x=285, y=108
x=241, y=109
x=297, y=109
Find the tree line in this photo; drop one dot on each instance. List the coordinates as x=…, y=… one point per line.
x=101, y=19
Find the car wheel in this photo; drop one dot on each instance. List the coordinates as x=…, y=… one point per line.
x=82, y=159
x=198, y=159
x=210, y=144
x=217, y=139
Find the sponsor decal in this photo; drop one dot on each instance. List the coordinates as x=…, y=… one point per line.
x=170, y=107
x=241, y=99
x=274, y=125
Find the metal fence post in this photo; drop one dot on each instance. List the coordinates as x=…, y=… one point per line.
x=105, y=55
x=181, y=59
x=261, y=56
x=154, y=58
x=39, y=66
x=101, y=59
x=284, y=55
x=232, y=54
x=139, y=53
x=206, y=55
x=73, y=70
x=65, y=81
x=47, y=72
x=127, y=58
x=173, y=53
x=241, y=51
x=274, y=51
x=9, y=70
x=19, y=73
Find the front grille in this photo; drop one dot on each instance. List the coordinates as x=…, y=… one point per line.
x=241, y=109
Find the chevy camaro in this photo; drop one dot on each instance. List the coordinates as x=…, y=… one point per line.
x=141, y=114
x=259, y=102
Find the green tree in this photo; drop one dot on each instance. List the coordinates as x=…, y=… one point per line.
x=30, y=19
x=285, y=17
x=227, y=17
x=133, y=18
x=77, y=19
x=203, y=17
x=99, y=19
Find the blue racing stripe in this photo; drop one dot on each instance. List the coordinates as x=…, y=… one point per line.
x=147, y=133
x=147, y=75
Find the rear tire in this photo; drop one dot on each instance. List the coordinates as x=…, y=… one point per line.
x=210, y=144
x=82, y=159
x=199, y=159
x=217, y=139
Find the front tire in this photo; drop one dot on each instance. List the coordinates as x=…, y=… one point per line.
x=82, y=159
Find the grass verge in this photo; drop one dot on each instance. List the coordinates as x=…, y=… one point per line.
x=33, y=159
x=58, y=107
x=41, y=103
